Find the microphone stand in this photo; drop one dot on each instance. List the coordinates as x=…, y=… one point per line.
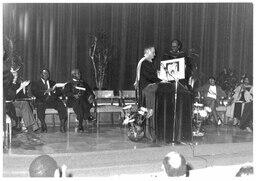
x=174, y=116
x=173, y=141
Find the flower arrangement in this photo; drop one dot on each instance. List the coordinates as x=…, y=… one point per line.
x=203, y=113
x=200, y=113
x=134, y=118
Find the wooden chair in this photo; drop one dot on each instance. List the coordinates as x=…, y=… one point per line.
x=106, y=102
x=51, y=111
x=221, y=110
x=8, y=132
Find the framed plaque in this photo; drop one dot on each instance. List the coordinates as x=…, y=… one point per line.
x=172, y=69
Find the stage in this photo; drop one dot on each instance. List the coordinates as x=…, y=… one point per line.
x=107, y=151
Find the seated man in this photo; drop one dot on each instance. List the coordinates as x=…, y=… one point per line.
x=80, y=97
x=47, y=97
x=16, y=92
x=211, y=94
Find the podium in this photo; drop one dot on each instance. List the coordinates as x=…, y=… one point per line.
x=162, y=99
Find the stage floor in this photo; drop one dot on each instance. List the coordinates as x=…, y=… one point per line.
x=107, y=151
x=113, y=138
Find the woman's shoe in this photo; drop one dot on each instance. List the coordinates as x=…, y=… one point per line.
x=219, y=122
x=236, y=122
x=80, y=129
x=248, y=129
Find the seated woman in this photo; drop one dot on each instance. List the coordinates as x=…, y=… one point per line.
x=242, y=95
x=15, y=97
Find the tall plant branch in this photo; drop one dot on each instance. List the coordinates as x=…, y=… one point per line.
x=92, y=55
x=99, y=55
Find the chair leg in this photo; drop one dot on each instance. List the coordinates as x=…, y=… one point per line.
x=36, y=118
x=53, y=120
x=97, y=119
x=10, y=133
x=112, y=118
x=68, y=121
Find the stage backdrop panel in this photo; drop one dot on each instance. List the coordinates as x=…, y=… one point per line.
x=56, y=36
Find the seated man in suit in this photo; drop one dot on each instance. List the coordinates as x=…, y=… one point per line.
x=80, y=97
x=48, y=97
x=16, y=97
x=211, y=94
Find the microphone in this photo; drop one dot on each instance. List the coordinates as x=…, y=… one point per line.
x=165, y=68
x=167, y=72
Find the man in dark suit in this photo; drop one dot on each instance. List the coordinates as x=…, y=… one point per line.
x=211, y=94
x=177, y=52
x=80, y=97
x=48, y=97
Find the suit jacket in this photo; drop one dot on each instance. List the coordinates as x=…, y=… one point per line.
x=247, y=94
x=70, y=90
x=205, y=88
x=148, y=74
x=11, y=92
x=38, y=88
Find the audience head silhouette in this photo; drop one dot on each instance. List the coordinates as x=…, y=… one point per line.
x=175, y=164
x=245, y=171
x=43, y=166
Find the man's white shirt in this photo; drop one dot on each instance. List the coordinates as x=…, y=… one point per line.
x=48, y=85
x=212, y=93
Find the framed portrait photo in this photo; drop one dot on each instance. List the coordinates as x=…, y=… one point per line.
x=172, y=69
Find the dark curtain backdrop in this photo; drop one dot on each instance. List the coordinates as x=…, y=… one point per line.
x=56, y=36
